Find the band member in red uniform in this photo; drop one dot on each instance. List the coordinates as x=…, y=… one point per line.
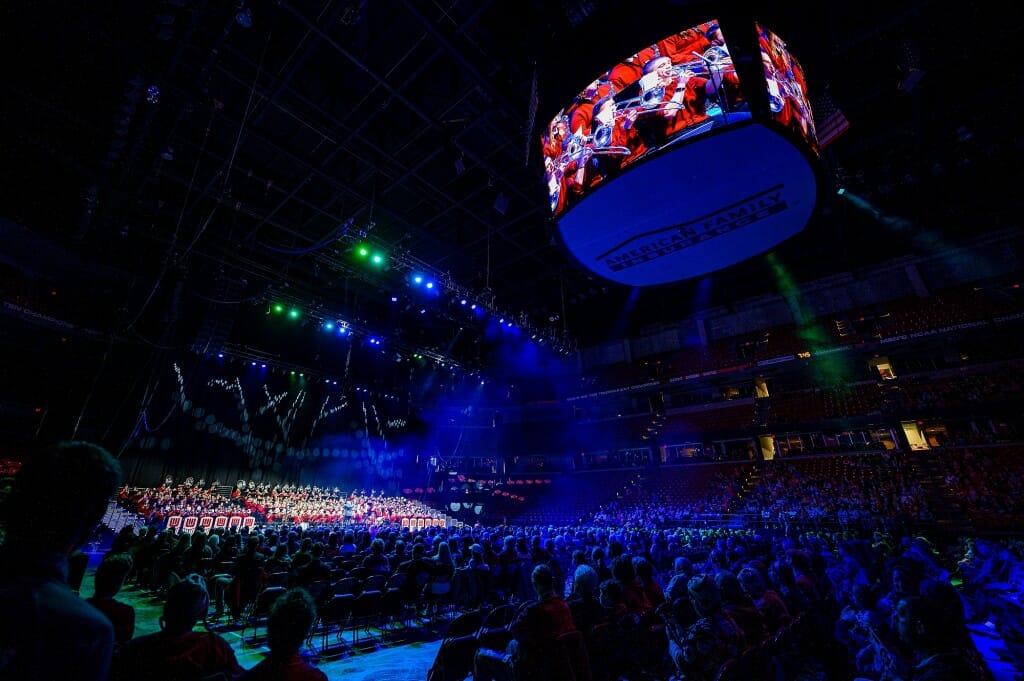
x=558, y=132
x=613, y=142
x=696, y=44
x=671, y=101
x=581, y=113
x=555, y=180
x=786, y=86
x=629, y=70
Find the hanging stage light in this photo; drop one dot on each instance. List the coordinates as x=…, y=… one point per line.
x=243, y=17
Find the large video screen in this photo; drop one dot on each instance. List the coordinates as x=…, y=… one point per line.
x=682, y=86
x=787, y=87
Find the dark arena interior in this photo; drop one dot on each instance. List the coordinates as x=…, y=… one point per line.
x=577, y=340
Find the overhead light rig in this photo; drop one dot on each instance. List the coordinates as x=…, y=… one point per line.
x=358, y=246
x=272, y=363
x=289, y=307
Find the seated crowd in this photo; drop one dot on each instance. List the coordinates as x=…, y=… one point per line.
x=593, y=601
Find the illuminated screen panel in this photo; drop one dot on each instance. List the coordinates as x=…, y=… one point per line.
x=787, y=87
x=667, y=166
x=681, y=87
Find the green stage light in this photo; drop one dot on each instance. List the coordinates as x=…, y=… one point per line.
x=278, y=308
x=293, y=313
x=362, y=251
x=377, y=259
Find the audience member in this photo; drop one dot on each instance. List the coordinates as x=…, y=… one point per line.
x=47, y=631
x=768, y=602
x=534, y=652
x=633, y=591
x=583, y=601
x=177, y=652
x=316, y=570
x=645, y=573
x=699, y=650
x=377, y=561
x=741, y=608
x=108, y=579
x=288, y=623
x=932, y=624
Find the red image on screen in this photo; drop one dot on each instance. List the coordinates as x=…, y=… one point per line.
x=680, y=87
x=787, y=87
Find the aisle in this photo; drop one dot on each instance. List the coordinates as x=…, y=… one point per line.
x=393, y=661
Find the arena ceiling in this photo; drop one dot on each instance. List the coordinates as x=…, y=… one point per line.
x=197, y=162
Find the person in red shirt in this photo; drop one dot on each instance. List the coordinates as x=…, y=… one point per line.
x=671, y=101
x=109, y=578
x=288, y=623
x=534, y=651
x=633, y=592
x=178, y=652
x=628, y=71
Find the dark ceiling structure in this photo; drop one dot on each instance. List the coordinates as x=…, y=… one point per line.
x=197, y=163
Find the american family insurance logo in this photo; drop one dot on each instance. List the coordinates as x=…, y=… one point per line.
x=658, y=243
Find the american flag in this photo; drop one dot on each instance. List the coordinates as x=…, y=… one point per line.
x=830, y=122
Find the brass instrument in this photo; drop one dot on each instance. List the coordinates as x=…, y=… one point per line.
x=580, y=148
x=712, y=64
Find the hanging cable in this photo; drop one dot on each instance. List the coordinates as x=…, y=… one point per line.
x=177, y=227
x=326, y=241
x=92, y=388
x=240, y=301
